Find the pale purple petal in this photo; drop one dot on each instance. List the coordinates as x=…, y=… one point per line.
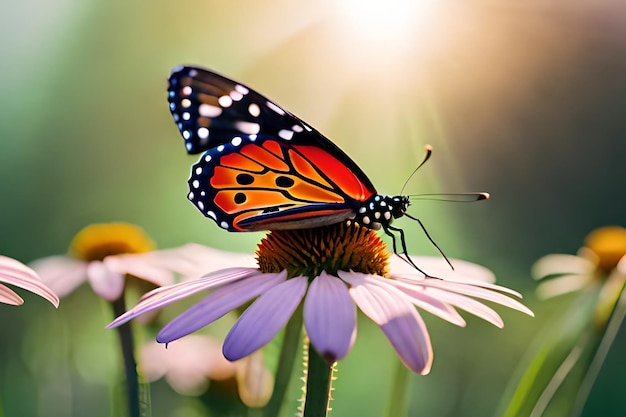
x=264, y=318
x=106, y=283
x=163, y=296
x=16, y=273
x=219, y=303
x=468, y=304
x=61, y=273
x=189, y=261
x=330, y=317
x=561, y=264
x=397, y=318
x=437, y=267
x=426, y=300
x=478, y=290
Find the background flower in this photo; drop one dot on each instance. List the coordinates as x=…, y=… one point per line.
x=84, y=263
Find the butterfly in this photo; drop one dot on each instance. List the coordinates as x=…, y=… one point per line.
x=264, y=168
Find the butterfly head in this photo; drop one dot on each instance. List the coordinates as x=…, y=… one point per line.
x=398, y=205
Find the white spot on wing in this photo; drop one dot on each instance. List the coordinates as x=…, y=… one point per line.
x=195, y=184
x=236, y=141
x=186, y=90
x=211, y=215
x=243, y=90
x=186, y=115
x=198, y=170
x=207, y=110
x=200, y=205
x=248, y=128
x=186, y=134
x=193, y=73
x=224, y=225
x=220, y=148
x=203, y=132
x=235, y=95
x=254, y=110
x=225, y=101
x=207, y=158
x=275, y=108
x=297, y=128
x=285, y=134
x=185, y=103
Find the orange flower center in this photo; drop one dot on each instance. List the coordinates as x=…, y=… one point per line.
x=338, y=247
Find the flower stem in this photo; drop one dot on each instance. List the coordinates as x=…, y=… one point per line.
x=288, y=354
x=318, y=385
x=130, y=365
x=397, y=404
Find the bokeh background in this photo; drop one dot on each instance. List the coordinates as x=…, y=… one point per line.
x=525, y=100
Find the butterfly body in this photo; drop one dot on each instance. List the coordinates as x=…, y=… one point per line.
x=264, y=168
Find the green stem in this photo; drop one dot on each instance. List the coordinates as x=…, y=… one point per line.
x=318, y=384
x=397, y=405
x=288, y=354
x=128, y=354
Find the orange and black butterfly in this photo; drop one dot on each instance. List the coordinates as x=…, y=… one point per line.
x=264, y=168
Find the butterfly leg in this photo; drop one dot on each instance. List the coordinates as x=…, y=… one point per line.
x=430, y=239
x=388, y=231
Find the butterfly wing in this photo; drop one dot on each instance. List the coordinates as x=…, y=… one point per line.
x=264, y=168
x=269, y=184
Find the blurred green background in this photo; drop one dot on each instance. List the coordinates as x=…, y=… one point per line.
x=525, y=100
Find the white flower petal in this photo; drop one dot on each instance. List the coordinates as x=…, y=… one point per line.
x=61, y=273
x=427, y=301
x=330, y=317
x=264, y=318
x=399, y=320
x=562, y=285
x=561, y=264
x=187, y=364
x=16, y=273
x=189, y=261
x=8, y=296
x=437, y=267
x=217, y=304
x=163, y=296
x=468, y=304
x=106, y=283
x=478, y=290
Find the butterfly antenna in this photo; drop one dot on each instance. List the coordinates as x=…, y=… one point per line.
x=452, y=197
x=429, y=152
x=430, y=238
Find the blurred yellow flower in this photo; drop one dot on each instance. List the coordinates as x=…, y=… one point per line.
x=601, y=261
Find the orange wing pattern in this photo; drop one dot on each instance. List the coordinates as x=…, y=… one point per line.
x=271, y=184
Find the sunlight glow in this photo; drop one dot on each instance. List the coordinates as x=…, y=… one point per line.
x=386, y=20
